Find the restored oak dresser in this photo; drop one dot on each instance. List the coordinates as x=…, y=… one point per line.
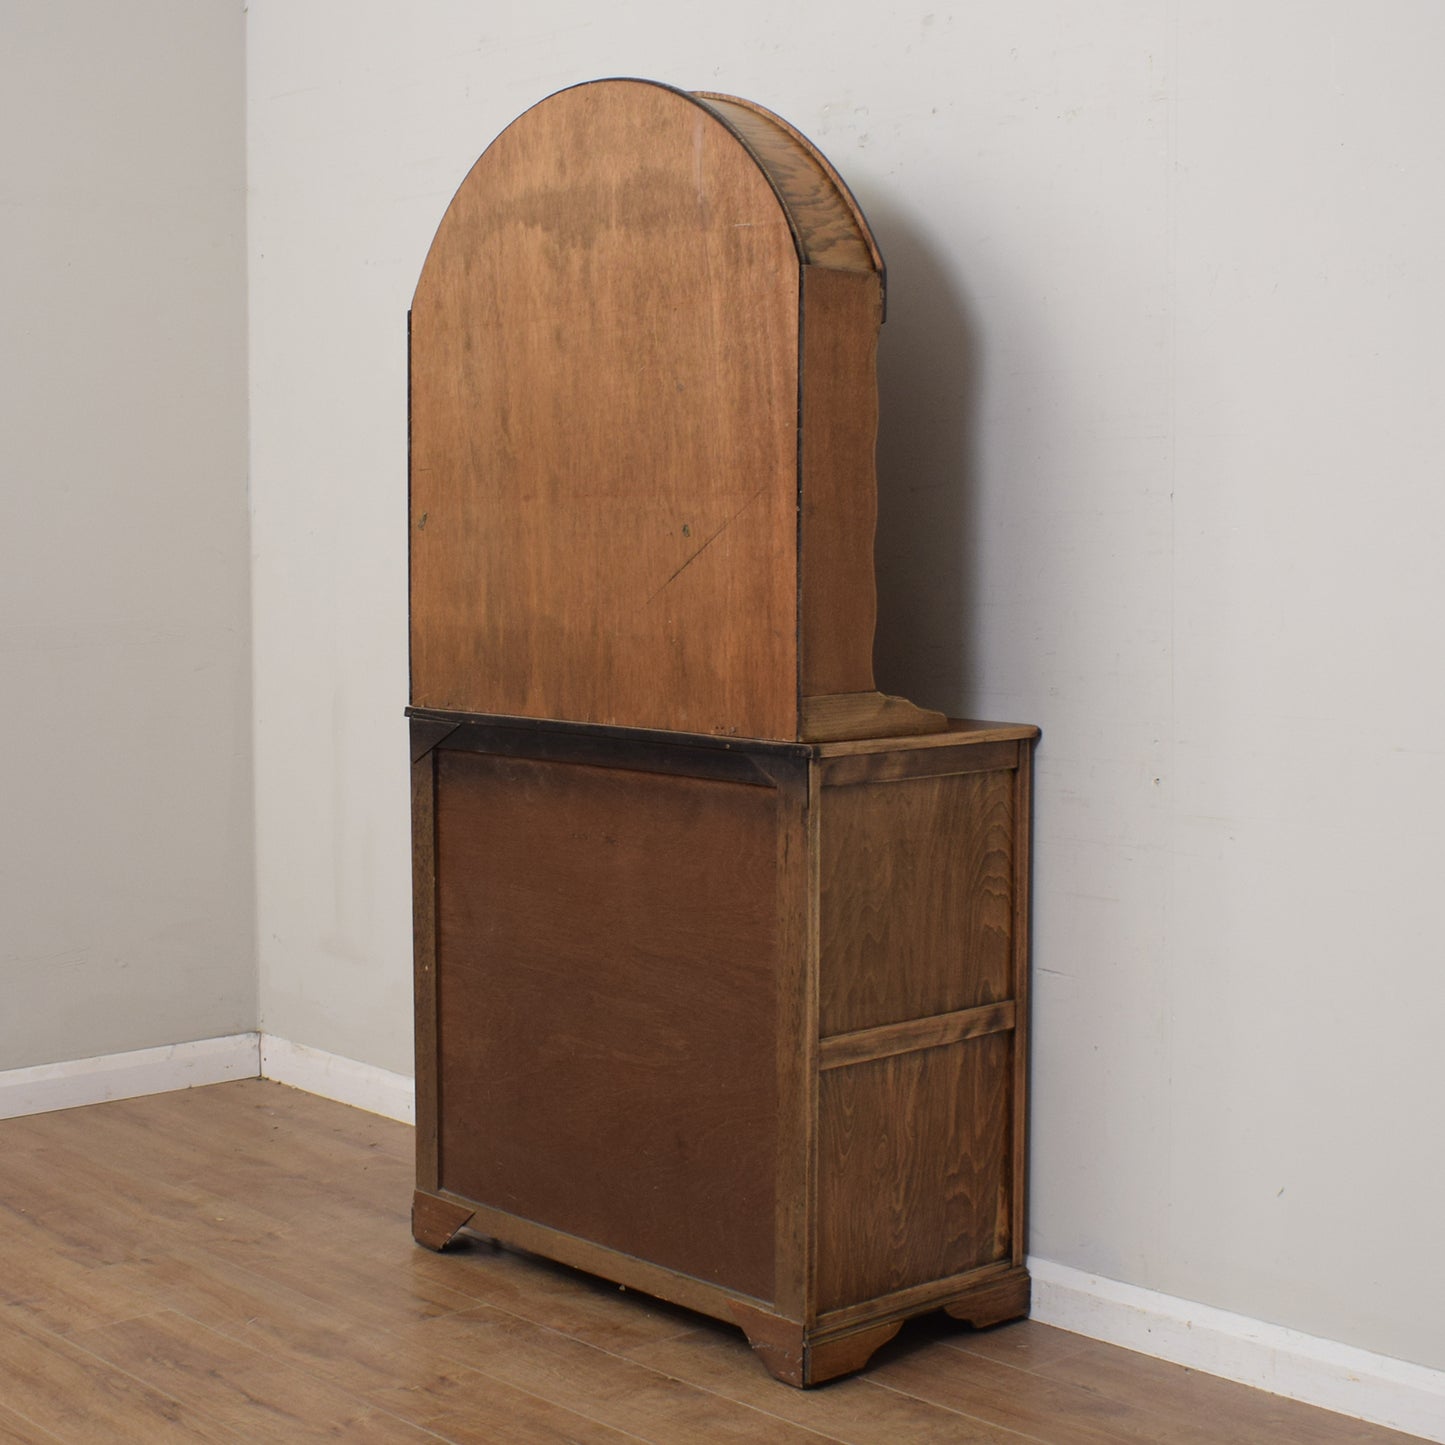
x=721, y=954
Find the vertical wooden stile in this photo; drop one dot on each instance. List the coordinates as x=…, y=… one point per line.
x=1023, y=825
x=423, y=886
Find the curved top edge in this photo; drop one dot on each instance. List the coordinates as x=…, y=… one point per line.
x=865, y=232
x=828, y=226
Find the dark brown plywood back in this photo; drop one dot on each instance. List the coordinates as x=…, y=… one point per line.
x=608, y=1004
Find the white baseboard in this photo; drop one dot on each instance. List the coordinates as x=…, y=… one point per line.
x=76, y=1082
x=1269, y=1357
x=45, y=1087
x=363, y=1086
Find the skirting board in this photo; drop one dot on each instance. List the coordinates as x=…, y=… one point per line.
x=363, y=1086
x=1336, y=1377
x=68, y=1085
x=76, y=1082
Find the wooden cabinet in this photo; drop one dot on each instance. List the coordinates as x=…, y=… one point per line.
x=741, y=1025
x=721, y=955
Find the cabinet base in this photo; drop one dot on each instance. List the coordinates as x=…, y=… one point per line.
x=435, y=1222
x=837, y=1343
x=802, y=1356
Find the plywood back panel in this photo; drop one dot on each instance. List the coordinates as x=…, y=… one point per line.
x=643, y=413
x=607, y=959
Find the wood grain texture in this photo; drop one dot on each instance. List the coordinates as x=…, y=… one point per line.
x=605, y=900
x=864, y=1045
x=827, y=1359
x=836, y=716
x=643, y=417
x=604, y=402
x=795, y=1354
x=626, y=1271
x=954, y=731
x=828, y=224
x=607, y=982
x=917, y=898
x=993, y=1303
x=436, y=1222
x=914, y=1169
x=58, y=1387
x=854, y=1410
x=16, y=1430
x=889, y=767
x=920, y=1299
x=841, y=314
x=518, y=1351
x=207, y=1371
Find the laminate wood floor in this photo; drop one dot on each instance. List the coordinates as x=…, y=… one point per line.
x=234, y=1264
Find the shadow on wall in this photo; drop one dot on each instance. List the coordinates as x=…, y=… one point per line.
x=927, y=476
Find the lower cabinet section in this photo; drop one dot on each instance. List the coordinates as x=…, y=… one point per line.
x=741, y=1025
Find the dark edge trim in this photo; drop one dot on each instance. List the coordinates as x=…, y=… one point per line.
x=410, y=660
x=708, y=742
x=799, y=463
x=648, y=755
x=915, y=1036
x=426, y=735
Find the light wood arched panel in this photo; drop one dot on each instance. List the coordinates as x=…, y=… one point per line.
x=643, y=413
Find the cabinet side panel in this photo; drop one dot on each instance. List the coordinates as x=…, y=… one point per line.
x=842, y=312
x=914, y=1169
x=917, y=898
x=607, y=947
x=1023, y=870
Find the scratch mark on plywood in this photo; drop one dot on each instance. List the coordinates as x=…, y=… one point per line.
x=688, y=563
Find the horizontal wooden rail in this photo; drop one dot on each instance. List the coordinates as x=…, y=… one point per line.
x=863, y=1045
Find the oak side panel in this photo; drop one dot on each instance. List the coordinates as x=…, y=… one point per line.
x=842, y=311
x=917, y=908
x=915, y=1169
x=607, y=973
x=604, y=411
x=1023, y=993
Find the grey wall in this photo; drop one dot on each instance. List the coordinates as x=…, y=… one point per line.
x=1160, y=471
x=126, y=878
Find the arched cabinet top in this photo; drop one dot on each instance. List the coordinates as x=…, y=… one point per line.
x=643, y=413
x=828, y=226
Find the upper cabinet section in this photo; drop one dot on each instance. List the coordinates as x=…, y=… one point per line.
x=643, y=413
